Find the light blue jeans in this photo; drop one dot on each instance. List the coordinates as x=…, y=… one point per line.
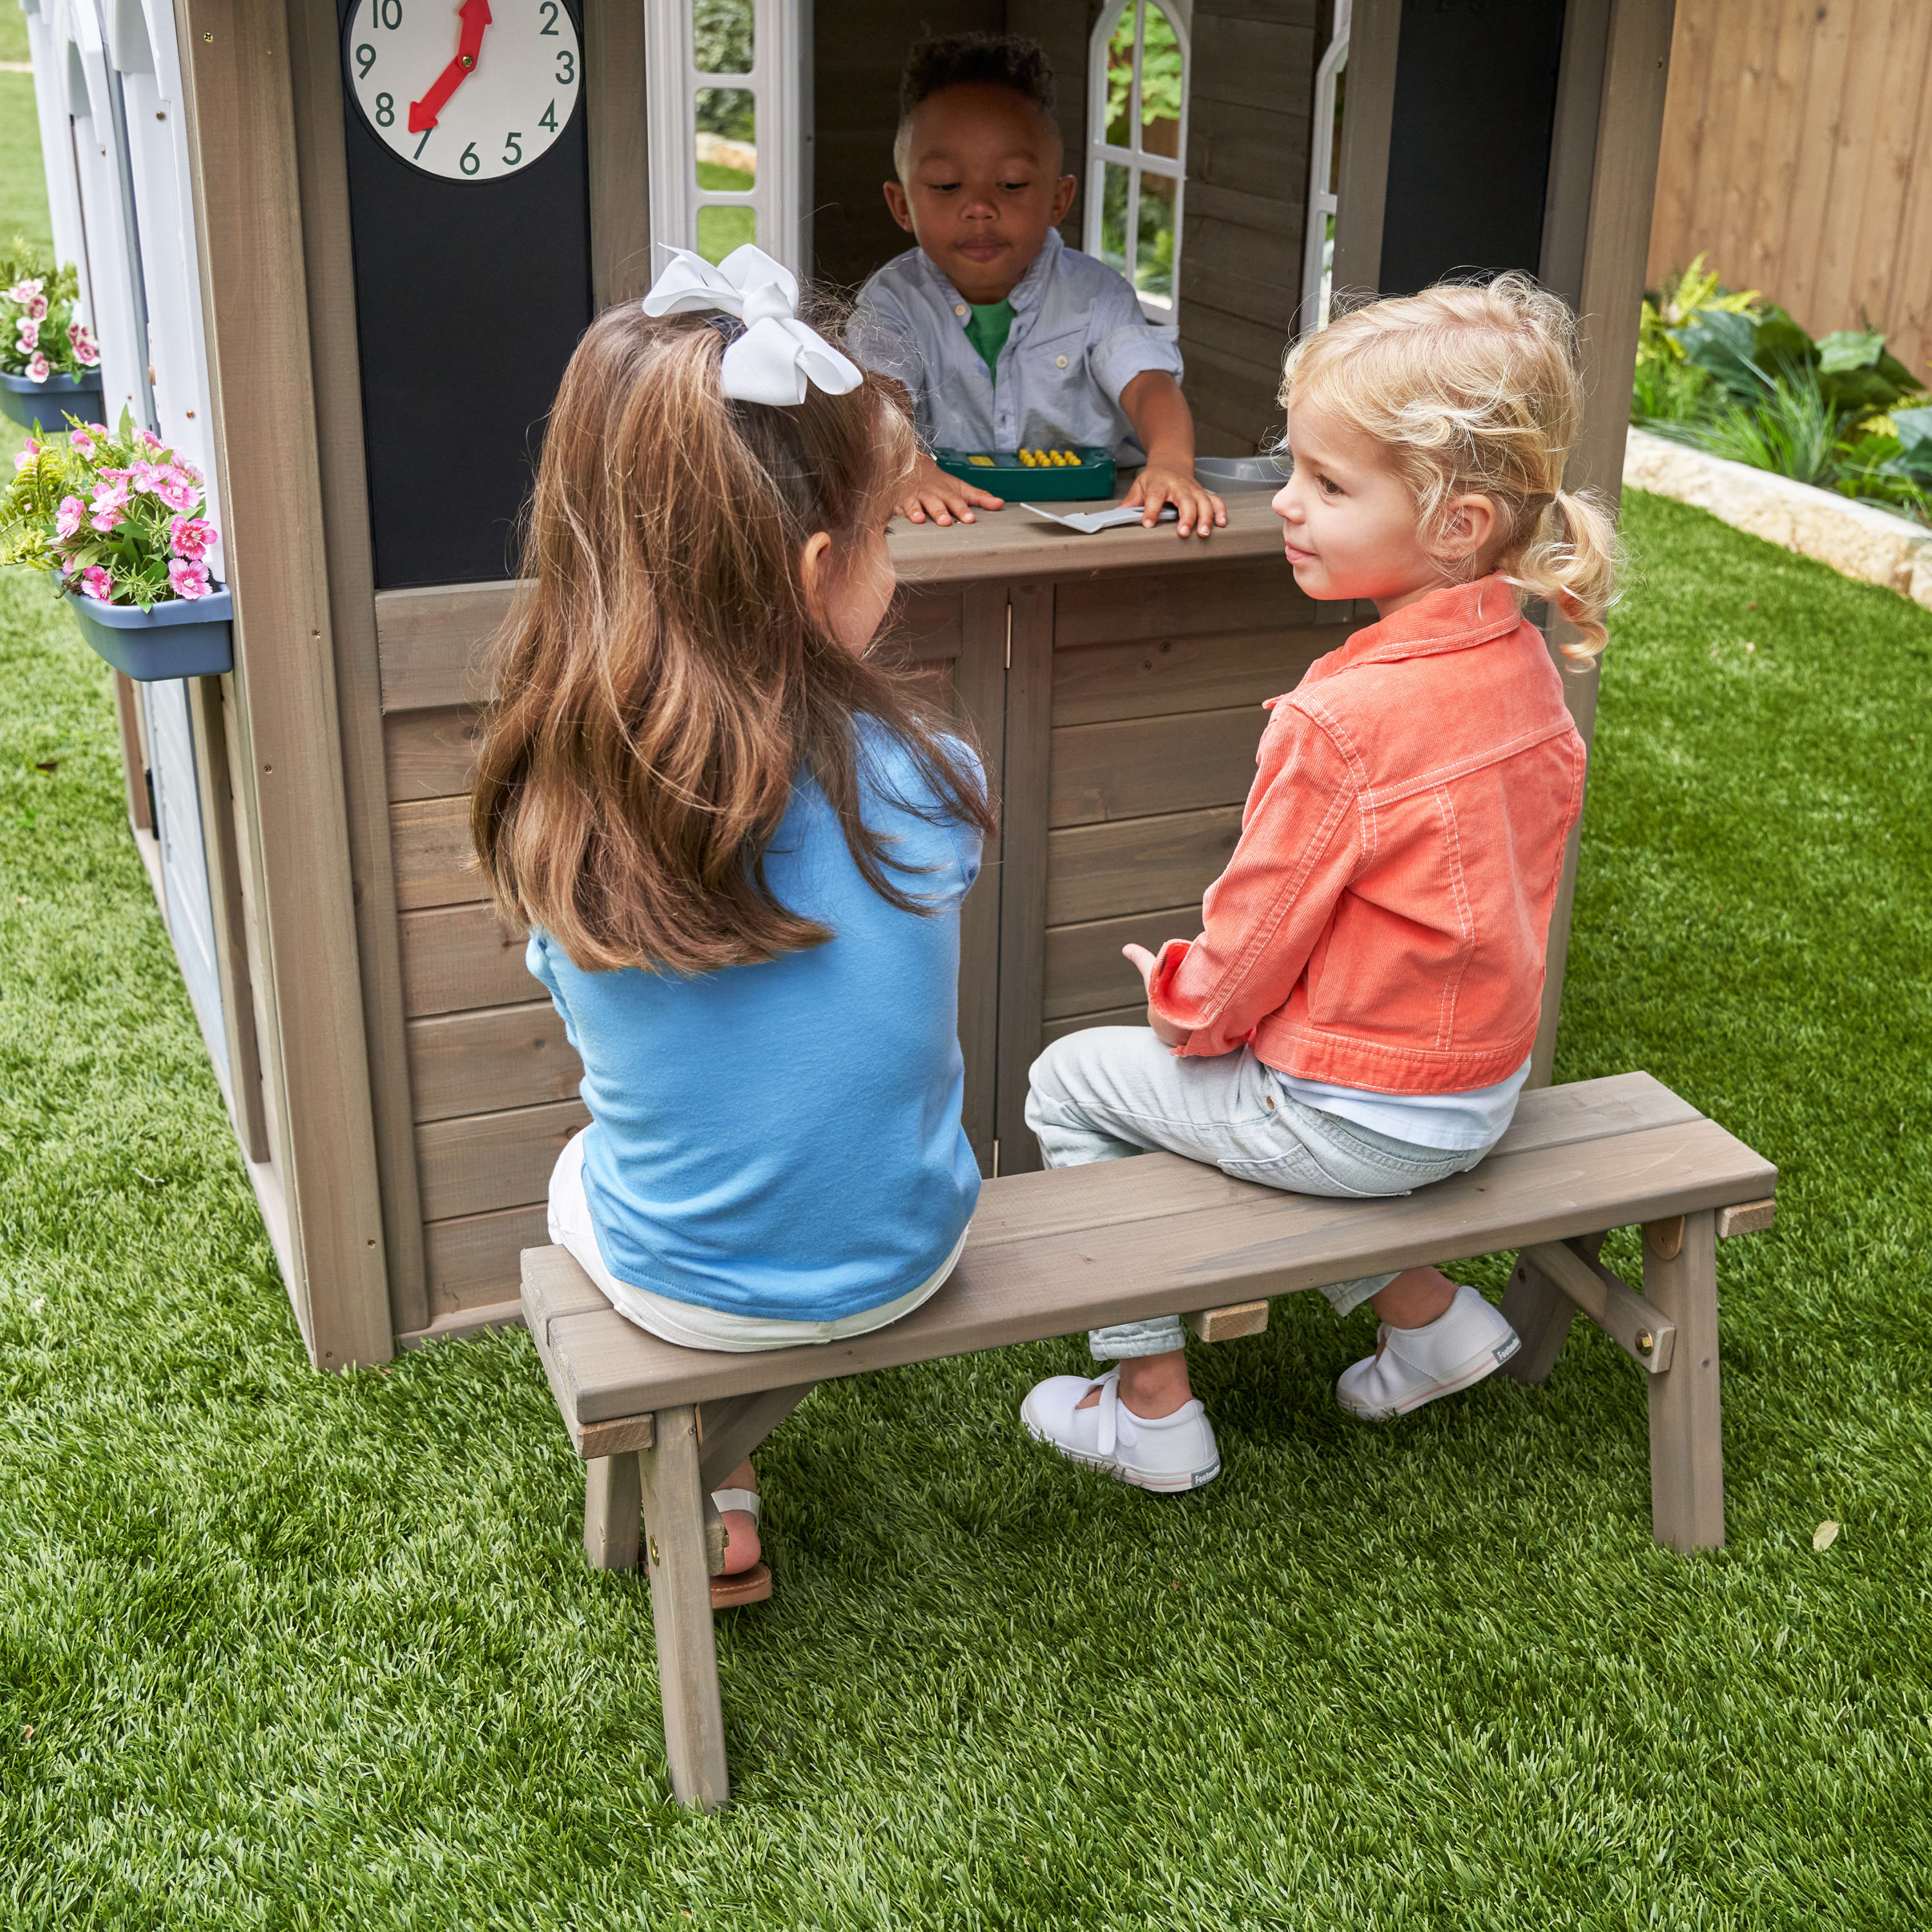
x=1112, y=1092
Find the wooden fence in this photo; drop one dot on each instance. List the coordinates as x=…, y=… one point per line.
x=1798, y=157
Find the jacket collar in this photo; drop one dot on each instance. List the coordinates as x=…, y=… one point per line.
x=1452, y=619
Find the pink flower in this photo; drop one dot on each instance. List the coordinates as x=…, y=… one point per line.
x=30, y=334
x=84, y=353
x=26, y=456
x=95, y=583
x=83, y=442
x=39, y=369
x=189, y=580
x=110, y=499
x=73, y=512
x=37, y=307
x=25, y=291
x=151, y=443
x=177, y=492
x=192, y=537
x=149, y=476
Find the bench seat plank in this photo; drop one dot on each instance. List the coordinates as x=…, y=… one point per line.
x=1025, y=1278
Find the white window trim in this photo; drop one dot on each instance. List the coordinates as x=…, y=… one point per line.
x=780, y=84
x=1100, y=151
x=1321, y=191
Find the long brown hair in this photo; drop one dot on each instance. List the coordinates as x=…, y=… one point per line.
x=662, y=683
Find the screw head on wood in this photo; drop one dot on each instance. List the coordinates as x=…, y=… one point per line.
x=1645, y=1341
x=657, y=1561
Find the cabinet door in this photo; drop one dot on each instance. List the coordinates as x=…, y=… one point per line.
x=184, y=860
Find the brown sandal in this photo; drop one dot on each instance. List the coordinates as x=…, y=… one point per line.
x=746, y=1586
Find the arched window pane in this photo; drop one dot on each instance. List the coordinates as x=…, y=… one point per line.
x=1120, y=81
x=722, y=36
x=1162, y=81
x=721, y=230
x=1113, y=217
x=1153, y=249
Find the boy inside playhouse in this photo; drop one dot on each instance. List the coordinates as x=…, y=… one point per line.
x=1004, y=337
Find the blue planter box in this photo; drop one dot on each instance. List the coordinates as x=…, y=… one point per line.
x=49, y=403
x=190, y=638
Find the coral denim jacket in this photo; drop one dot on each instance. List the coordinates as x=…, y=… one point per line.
x=1382, y=922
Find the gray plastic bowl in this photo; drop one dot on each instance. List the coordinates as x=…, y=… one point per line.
x=1235, y=475
x=49, y=403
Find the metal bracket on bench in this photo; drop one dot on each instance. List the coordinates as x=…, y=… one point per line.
x=1647, y=1335
x=1229, y=1323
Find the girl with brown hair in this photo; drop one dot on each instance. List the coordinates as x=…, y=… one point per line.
x=738, y=843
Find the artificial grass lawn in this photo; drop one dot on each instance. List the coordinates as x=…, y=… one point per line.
x=282, y=1650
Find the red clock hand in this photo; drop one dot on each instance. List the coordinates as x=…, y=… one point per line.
x=474, y=15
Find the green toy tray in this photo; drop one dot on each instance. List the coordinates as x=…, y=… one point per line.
x=1003, y=473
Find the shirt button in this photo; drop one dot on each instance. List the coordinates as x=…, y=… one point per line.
x=1059, y=361
x=959, y=308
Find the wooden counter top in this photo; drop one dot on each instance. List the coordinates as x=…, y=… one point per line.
x=1012, y=543
x=429, y=639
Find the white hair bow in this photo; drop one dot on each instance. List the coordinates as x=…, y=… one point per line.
x=777, y=355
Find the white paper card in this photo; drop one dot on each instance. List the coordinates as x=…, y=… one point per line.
x=1089, y=522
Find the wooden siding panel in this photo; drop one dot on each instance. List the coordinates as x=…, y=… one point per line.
x=435, y=863
x=489, y=1059
x=431, y=754
x=1085, y=971
x=473, y=1259
x=484, y=1162
x=1098, y=871
x=1161, y=675
x=1145, y=765
x=458, y=957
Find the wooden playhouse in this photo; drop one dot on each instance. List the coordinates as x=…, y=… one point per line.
x=358, y=330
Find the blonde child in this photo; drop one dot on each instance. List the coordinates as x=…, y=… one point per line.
x=739, y=844
x=1356, y=1017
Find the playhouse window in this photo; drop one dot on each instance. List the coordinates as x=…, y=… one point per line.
x=1324, y=174
x=1137, y=146
x=727, y=90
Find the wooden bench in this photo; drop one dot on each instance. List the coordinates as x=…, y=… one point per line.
x=1054, y=1253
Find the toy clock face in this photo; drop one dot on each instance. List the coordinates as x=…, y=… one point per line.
x=471, y=91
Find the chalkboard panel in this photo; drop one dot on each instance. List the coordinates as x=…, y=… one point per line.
x=1475, y=107
x=469, y=299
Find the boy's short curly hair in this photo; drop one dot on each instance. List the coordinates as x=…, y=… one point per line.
x=988, y=60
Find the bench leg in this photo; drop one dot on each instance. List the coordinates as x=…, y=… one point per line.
x=680, y=1573
x=613, y=1503
x=1540, y=1313
x=1687, y=1449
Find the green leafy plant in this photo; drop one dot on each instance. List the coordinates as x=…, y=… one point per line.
x=40, y=335
x=117, y=516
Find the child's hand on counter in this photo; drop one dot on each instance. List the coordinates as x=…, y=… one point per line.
x=1143, y=962
x=1164, y=425
x=1161, y=483
x=929, y=493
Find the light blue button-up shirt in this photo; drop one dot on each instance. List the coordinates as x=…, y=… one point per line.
x=1077, y=339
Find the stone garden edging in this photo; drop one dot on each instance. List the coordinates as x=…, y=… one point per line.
x=1858, y=540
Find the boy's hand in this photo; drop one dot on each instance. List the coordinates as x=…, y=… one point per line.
x=1143, y=962
x=1161, y=483
x=930, y=493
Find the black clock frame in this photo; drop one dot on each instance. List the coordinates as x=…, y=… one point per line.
x=469, y=297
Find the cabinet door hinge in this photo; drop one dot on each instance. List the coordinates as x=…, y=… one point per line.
x=1009, y=635
x=996, y=1160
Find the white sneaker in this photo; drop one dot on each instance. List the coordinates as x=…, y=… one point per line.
x=1468, y=1340
x=1170, y=1453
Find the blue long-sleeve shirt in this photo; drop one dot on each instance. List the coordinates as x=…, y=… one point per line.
x=784, y=1140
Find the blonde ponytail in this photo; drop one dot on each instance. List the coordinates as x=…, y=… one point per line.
x=1476, y=388
x=1571, y=559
